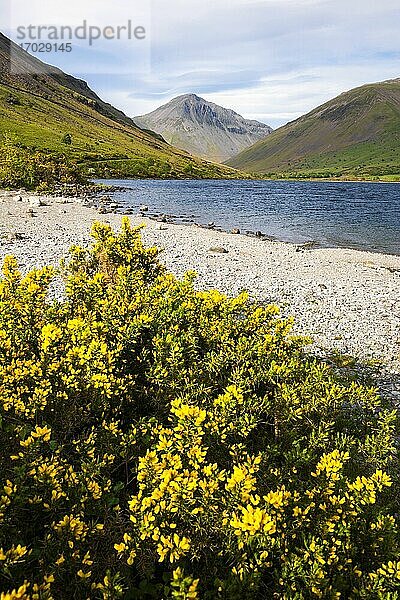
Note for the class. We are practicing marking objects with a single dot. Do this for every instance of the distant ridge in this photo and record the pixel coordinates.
(203, 128)
(356, 133)
(38, 74)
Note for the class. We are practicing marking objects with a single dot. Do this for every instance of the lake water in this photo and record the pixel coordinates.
(351, 215)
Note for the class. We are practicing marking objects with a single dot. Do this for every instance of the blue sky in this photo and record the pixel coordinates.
(271, 60)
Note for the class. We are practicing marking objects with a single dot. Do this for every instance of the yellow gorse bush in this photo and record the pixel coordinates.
(161, 442)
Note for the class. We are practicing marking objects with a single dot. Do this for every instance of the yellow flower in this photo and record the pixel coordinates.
(331, 464)
(276, 499)
(83, 575)
(382, 479)
(252, 521)
(16, 594)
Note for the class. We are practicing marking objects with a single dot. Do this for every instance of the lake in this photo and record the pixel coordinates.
(352, 215)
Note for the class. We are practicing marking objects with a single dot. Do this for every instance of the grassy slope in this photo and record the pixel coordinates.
(104, 139)
(356, 134)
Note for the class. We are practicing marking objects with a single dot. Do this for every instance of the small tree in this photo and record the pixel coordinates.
(67, 139)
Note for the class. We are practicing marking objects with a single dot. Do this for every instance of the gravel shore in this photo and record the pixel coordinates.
(344, 299)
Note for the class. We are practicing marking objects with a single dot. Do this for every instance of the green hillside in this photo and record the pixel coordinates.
(41, 108)
(356, 134)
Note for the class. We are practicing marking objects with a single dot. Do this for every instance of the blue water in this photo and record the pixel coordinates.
(350, 215)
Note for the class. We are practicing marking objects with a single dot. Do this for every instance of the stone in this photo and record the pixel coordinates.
(307, 246)
(235, 231)
(13, 236)
(219, 250)
(36, 201)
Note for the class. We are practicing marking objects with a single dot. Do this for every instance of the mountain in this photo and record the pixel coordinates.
(40, 104)
(357, 133)
(203, 128)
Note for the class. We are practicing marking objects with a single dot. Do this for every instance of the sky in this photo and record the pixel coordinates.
(270, 60)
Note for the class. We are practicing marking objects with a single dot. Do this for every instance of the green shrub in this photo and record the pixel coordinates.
(161, 442)
(13, 100)
(31, 168)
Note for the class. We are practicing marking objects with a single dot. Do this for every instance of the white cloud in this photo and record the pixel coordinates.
(268, 59)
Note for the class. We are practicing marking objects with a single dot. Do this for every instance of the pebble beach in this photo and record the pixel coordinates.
(345, 300)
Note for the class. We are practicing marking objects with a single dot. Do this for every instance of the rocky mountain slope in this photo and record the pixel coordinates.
(203, 128)
(40, 104)
(357, 133)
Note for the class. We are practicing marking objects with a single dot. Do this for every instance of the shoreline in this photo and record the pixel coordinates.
(264, 237)
(330, 180)
(251, 178)
(236, 228)
(346, 300)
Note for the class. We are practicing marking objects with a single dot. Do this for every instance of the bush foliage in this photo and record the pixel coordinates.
(162, 442)
(34, 169)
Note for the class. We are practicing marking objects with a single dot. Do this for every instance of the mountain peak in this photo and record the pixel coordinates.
(203, 128)
(191, 97)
